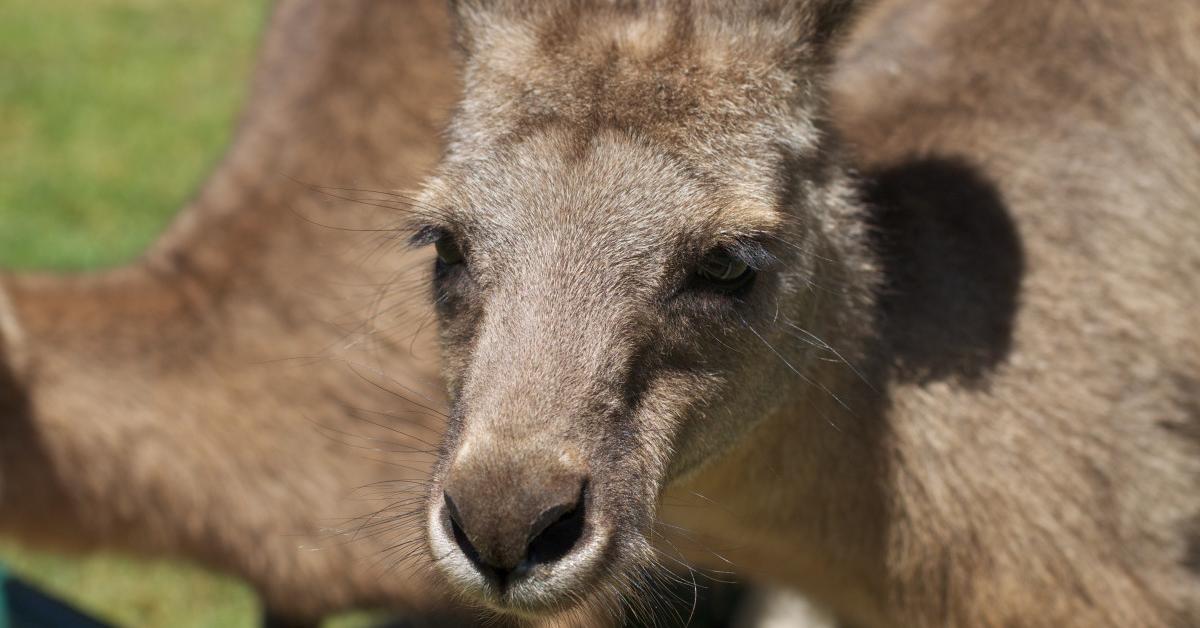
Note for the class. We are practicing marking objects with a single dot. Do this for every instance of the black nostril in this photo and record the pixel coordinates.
(556, 531)
(503, 553)
(464, 543)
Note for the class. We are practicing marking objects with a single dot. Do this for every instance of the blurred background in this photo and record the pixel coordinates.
(111, 114)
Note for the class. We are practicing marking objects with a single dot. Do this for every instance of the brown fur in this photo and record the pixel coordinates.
(259, 393)
(958, 395)
(1018, 291)
(237, 396)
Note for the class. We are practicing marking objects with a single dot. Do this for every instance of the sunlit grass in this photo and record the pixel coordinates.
(110, 112)
(137, 593)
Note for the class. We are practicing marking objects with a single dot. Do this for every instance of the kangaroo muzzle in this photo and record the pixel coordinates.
(510, 512)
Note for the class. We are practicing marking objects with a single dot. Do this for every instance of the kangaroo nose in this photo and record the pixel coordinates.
(507, 526)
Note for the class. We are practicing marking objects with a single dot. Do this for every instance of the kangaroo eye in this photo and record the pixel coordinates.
(722, 270)
(448, 250)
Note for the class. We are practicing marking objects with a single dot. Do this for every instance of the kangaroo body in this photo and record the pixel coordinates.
(236, 396)
(1030, 456)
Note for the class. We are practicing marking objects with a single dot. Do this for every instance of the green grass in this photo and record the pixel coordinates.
(137, 593)
(111, 112)
(152, 593)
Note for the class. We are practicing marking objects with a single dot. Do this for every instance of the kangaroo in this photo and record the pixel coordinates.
(237, 396)
(893, 303)
(259, 392)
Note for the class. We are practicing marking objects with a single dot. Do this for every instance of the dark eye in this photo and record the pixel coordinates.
(448, 250)
(721, 270)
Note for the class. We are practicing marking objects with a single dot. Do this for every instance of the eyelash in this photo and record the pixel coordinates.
(426, 235)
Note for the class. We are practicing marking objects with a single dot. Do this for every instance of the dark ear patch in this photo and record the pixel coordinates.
(953, 265)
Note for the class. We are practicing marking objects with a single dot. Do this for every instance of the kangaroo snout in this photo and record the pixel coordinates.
(510, 513)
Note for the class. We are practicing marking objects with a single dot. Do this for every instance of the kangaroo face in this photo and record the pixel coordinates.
(629, 237)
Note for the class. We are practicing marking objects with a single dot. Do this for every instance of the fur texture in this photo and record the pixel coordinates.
(248, 394)
(259, 392)
(960, 388)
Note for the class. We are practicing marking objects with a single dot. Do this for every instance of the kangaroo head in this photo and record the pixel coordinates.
(636, 218)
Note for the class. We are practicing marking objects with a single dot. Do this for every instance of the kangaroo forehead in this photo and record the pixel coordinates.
(604, 183)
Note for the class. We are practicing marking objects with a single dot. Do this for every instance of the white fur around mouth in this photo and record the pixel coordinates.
(547, 587)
